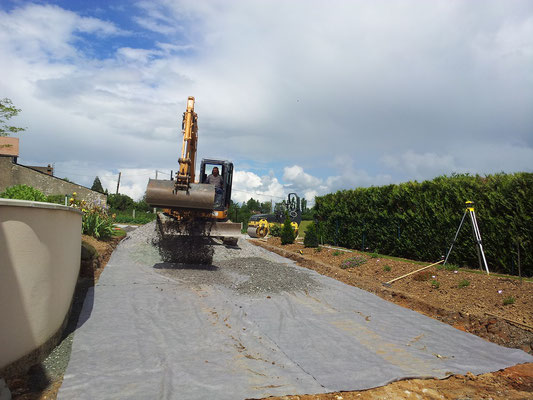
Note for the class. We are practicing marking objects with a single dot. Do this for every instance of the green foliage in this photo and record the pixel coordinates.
(97, 185)
(463, 283)
(418, 220)
(141, 218)
(8, 111)
(311, 237)
(23, 192)
(56, 198)
(275, 230)
(435, 284)
(508, 300)
(386, 268)
(318, 249)
(374, 255)
(287, 233)
(337, 253)
(449, 267)
(97, 223)
(354, 261)
(120, 202)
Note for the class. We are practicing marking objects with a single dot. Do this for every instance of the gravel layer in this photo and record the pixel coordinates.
(245, 268)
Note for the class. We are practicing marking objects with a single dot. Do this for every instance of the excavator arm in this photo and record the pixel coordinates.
(182, 193)
(187, 161)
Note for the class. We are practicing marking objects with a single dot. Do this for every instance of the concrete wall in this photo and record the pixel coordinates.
(40, 247)
(12, 174)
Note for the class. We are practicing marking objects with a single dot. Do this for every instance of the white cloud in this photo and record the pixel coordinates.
(421, 166)
(366, 92)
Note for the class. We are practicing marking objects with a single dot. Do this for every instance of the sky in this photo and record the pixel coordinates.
(303, 96)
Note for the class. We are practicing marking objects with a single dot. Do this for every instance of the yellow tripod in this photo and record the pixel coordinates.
(477, 237)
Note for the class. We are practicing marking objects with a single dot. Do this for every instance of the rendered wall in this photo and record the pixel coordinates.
(39, 265)
(12, 174)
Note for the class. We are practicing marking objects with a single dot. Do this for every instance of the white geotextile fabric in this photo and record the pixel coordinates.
(142, 335)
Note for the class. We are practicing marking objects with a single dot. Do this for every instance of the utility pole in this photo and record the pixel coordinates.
(118, 183)
(156, 174)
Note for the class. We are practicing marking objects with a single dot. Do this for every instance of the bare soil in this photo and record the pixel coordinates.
(477, 308)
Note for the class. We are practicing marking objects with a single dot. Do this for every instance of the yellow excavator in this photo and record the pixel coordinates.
(190, 207)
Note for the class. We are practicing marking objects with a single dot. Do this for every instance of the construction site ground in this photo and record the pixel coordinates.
(253, 325)
(477, 308)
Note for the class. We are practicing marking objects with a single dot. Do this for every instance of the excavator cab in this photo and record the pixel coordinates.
(222, 200)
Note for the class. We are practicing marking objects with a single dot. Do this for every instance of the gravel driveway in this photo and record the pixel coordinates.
(250, 325)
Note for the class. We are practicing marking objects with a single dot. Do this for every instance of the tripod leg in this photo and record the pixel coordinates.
(479, 244)
(455, 238)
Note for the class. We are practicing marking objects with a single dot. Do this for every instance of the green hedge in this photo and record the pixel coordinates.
(419, 220)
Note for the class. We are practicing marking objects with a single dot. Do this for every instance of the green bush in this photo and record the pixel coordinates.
(311, 236)
(96, 223)
(435, 284)
(287, 233)
(23, 192)
(386, 268)
(463, 283)
(275, 230)
(120, 202)
(374, 255)
(354, 261)
(418, 220)
(508, 300)
(141, 218)
(56, 198)
(337, 253)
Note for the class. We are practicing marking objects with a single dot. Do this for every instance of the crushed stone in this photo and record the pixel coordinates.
(245, 269)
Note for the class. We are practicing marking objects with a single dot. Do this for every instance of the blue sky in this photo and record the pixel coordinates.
(300, 96)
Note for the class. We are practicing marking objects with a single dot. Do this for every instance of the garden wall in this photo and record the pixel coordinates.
(419, 220)
(12, 174)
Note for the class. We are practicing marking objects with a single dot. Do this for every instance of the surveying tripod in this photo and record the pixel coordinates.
(477, 236)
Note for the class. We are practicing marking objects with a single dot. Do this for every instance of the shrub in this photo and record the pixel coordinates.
(508, 300)
(311, 236)
(435, 284)
(23, 192)
(386, 268)
(463, 283)
(418, 220)
(451, 267)
(56, 198)
(318, 249)
(275, 230)
(96, 223)
(120, 202)
(374, 255)
(337, 253)
(287, 233)
(355, 261)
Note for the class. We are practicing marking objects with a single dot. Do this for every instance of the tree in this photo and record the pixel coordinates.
(8, 111)
(287, 233)
(311, 236)
(97, 186)
(120, 202)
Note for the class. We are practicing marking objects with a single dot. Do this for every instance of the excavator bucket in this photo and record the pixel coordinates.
(161, 193)
(197, 227)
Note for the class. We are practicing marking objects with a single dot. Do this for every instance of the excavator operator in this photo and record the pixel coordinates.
(216, 179)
